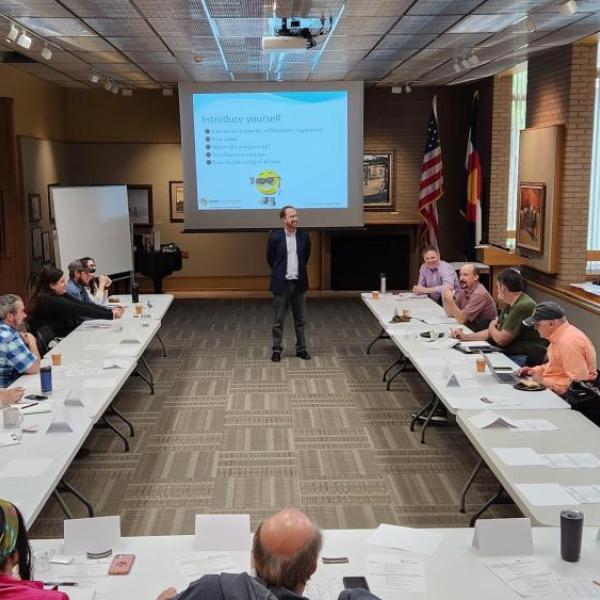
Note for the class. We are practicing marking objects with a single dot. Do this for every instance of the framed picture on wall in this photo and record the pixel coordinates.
(36, 243)
(377, 180)
(50, 205)
(139, 199)
(2, 226)
(46, 248)
(176, 201)
(35, 207)
(530, 216)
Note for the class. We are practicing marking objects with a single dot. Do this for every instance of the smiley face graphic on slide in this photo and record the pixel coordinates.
(268, 182)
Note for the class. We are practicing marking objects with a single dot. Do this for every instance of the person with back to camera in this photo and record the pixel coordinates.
(16, 576)
(285, 554)
(51, 306)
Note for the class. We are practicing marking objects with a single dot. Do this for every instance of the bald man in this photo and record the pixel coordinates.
(285, 553)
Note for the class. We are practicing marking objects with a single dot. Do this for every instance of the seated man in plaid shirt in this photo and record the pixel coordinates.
(18, 350)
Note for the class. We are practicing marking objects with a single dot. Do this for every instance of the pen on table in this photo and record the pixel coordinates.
(60, 583)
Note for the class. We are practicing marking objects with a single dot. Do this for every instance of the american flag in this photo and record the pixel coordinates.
(431, 187)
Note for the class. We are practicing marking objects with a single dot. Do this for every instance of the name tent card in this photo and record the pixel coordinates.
(503, 537)
(91, 535)
(229, 533)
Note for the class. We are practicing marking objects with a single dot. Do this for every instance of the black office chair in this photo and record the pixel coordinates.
(584, 397)
(44, 335)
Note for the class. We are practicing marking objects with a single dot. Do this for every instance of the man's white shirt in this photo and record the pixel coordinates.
(292, 255)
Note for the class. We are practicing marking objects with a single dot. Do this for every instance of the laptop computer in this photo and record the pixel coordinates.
(502, 373)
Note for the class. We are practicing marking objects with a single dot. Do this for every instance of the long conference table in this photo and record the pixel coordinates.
(477, 392)
(455, 571)
(84, 386)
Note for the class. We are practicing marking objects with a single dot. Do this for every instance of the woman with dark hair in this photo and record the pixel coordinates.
(51, 306)
(15, 559)
(97, 288)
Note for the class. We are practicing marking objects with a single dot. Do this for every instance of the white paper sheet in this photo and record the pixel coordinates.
(124, 350)
(10, 439)
(25, 467)
(96, 324)
(89, 574)
(99, 384)
(470, 345)
(114, 363)
(578, 589)
(535, 425)
(229, 533)
(546, 494)
(389, 575)
(324, 587)
(585, 494)
(196, 565)
(519, 457)
(500, 401)
(526, 576)
(573, 460)
(406, 538)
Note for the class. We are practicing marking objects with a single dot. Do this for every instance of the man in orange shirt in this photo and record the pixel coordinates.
(571, 354)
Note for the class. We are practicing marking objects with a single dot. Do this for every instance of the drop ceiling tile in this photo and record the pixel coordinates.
(364, 26)
(242, 8)
(244, 27)
(443, 7)
(411, 25)
(102, 57)
(587, 5)
(459, 40)
(32, 8)
(509, 6)
(338, 56)
(177, 27)
(152, 57)
(116, 68)
(390, 54)
(118, 27)
(51, 26)
(382, 8)
(406, 41)
(486, 23)
(570, 34)
(76, 43)
(206, 58)
(327, 76)
(241, 76)
(101, 8)
(245, 44)
(64, 58)
(352, 42)
(178, 9)
(553, 21)
(137, 44)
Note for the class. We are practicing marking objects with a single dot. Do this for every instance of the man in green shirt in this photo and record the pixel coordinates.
(521, 344)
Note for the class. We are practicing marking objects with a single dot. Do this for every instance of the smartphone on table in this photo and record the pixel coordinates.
(351, 583)
(121, 564)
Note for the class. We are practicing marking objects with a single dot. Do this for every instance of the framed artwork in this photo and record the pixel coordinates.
(36, 243)
(176, 201)
(47, 254)
(2, 226)
(530, 216)
(139, 199)
(377, 180)
(50, 205)
(35, 207)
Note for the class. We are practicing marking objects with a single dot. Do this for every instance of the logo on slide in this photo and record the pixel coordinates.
(268, 183)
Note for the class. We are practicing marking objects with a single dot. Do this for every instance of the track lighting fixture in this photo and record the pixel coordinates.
(456, 66)
(46, 52)
(12, 34)
(568, 8)
(396, 89)
(94, 78)
(24, 40)
(407, 88)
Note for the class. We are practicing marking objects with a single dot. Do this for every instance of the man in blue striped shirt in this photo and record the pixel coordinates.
(18, 350)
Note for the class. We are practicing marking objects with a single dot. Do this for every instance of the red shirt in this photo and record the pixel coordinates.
(17, 589)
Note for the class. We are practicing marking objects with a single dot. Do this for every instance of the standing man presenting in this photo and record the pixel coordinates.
(288, 251)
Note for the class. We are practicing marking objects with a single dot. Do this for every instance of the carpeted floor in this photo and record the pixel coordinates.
(228, 431)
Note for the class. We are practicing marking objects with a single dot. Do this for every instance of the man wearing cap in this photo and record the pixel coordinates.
(571, 354)
(79, 280)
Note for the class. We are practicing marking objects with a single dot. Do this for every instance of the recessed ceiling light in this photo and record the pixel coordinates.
(46, 53)
(13, 33)
(94, 78)
(25, 40)
(568, 8)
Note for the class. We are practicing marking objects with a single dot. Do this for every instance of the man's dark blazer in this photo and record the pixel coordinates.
(277, 259)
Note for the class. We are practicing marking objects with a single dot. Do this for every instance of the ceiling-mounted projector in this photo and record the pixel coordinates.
(299, 36)
(280, 43)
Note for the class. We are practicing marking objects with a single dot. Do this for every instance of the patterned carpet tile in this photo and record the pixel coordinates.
(227, 430)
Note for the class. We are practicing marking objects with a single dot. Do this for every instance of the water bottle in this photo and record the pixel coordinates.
(46, 377)
(135, 293)
(382, 283)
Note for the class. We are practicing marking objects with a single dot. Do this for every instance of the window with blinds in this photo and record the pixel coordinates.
(593, 244)
(518, 109)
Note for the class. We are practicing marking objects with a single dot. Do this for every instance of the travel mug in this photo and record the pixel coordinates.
(46, 377)
(135, 292)
(571, 532)
(382, 283)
